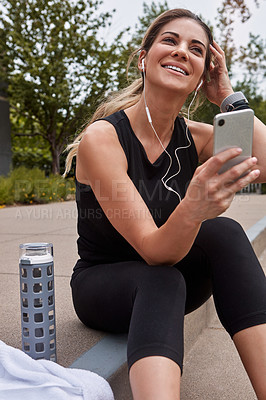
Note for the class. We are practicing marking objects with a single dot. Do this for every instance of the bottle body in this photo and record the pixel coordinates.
(36, 266)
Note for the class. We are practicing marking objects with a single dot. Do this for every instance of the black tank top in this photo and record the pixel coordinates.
(98, 241)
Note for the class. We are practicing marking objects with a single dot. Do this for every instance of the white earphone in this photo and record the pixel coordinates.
(142, 65)
(199, 86)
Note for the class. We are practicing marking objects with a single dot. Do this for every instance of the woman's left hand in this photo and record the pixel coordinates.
(219, 86)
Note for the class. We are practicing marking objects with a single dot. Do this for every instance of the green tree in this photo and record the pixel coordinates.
(55, 66)
(253, 57)
(256, 100)
(229, 11)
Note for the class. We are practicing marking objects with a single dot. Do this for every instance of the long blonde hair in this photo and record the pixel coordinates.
(131, 94)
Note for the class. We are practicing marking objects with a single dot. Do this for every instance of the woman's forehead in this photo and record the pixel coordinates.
(187, 27)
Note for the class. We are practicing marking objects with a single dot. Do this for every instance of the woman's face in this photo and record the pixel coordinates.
(176, 60)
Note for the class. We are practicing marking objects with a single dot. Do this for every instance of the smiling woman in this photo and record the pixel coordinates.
(151, 248)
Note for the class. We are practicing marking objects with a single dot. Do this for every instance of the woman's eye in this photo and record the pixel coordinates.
(169, 40)
(197, 50)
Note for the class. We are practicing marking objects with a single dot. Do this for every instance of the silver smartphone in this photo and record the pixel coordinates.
(234, 129)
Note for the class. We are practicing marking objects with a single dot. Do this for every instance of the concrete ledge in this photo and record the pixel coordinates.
(108, 357)
(257, 236)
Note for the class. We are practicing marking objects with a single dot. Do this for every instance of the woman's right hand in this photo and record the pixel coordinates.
(210, 194)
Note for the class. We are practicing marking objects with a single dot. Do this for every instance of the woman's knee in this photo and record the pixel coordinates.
(164, 282)
(226, 223)
(222, 226)
(221, 233)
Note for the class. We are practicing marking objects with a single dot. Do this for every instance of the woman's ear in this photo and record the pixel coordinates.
(141, 61)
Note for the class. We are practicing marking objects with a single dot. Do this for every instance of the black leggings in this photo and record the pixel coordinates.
(149, 302)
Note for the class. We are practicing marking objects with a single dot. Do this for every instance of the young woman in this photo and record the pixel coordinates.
(151, 248)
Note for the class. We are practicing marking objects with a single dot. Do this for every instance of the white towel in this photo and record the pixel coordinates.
(21, 378)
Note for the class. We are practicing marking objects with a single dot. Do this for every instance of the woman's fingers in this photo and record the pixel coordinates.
(239, 170)
(219, 86)
(245, 180)
(230, 181)
(215, 163)
(217, 52)
(238, 176)
(211, 193)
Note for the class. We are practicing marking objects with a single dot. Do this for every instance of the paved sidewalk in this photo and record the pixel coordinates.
(247, 209)
(56, 223)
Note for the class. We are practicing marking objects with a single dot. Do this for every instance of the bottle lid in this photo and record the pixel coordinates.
(36, 253)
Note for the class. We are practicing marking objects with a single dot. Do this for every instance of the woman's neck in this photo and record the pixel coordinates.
(163, 111)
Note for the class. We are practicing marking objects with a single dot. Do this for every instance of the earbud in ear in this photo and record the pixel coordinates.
(199, 86)
(142, 65)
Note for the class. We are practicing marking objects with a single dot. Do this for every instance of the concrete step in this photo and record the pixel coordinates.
(213, 369)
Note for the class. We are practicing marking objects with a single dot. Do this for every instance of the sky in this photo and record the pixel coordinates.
(128, 11)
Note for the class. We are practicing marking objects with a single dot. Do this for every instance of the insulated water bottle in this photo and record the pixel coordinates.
(36, 267)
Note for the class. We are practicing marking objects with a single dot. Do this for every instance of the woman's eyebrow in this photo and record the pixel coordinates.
(177, 36)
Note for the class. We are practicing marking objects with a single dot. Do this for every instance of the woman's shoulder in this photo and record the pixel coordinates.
(98, 147)
(106, 125)
(99, 134)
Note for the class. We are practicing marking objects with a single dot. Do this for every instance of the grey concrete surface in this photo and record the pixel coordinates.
(56, 223)
(247, 209)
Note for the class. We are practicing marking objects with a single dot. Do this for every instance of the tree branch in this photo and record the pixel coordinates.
(29, 134)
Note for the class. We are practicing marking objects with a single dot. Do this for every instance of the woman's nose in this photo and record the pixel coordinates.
(180, 51)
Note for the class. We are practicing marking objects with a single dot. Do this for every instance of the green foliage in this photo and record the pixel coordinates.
(227, 14)
(253, 56)
(256, 101)
(28, 186)
(250, 58)
(206, 112)
(54, 65)
(6, 190)
(150, 12)
(31, 153)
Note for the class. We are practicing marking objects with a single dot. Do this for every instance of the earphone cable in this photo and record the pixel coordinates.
(176, 150)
